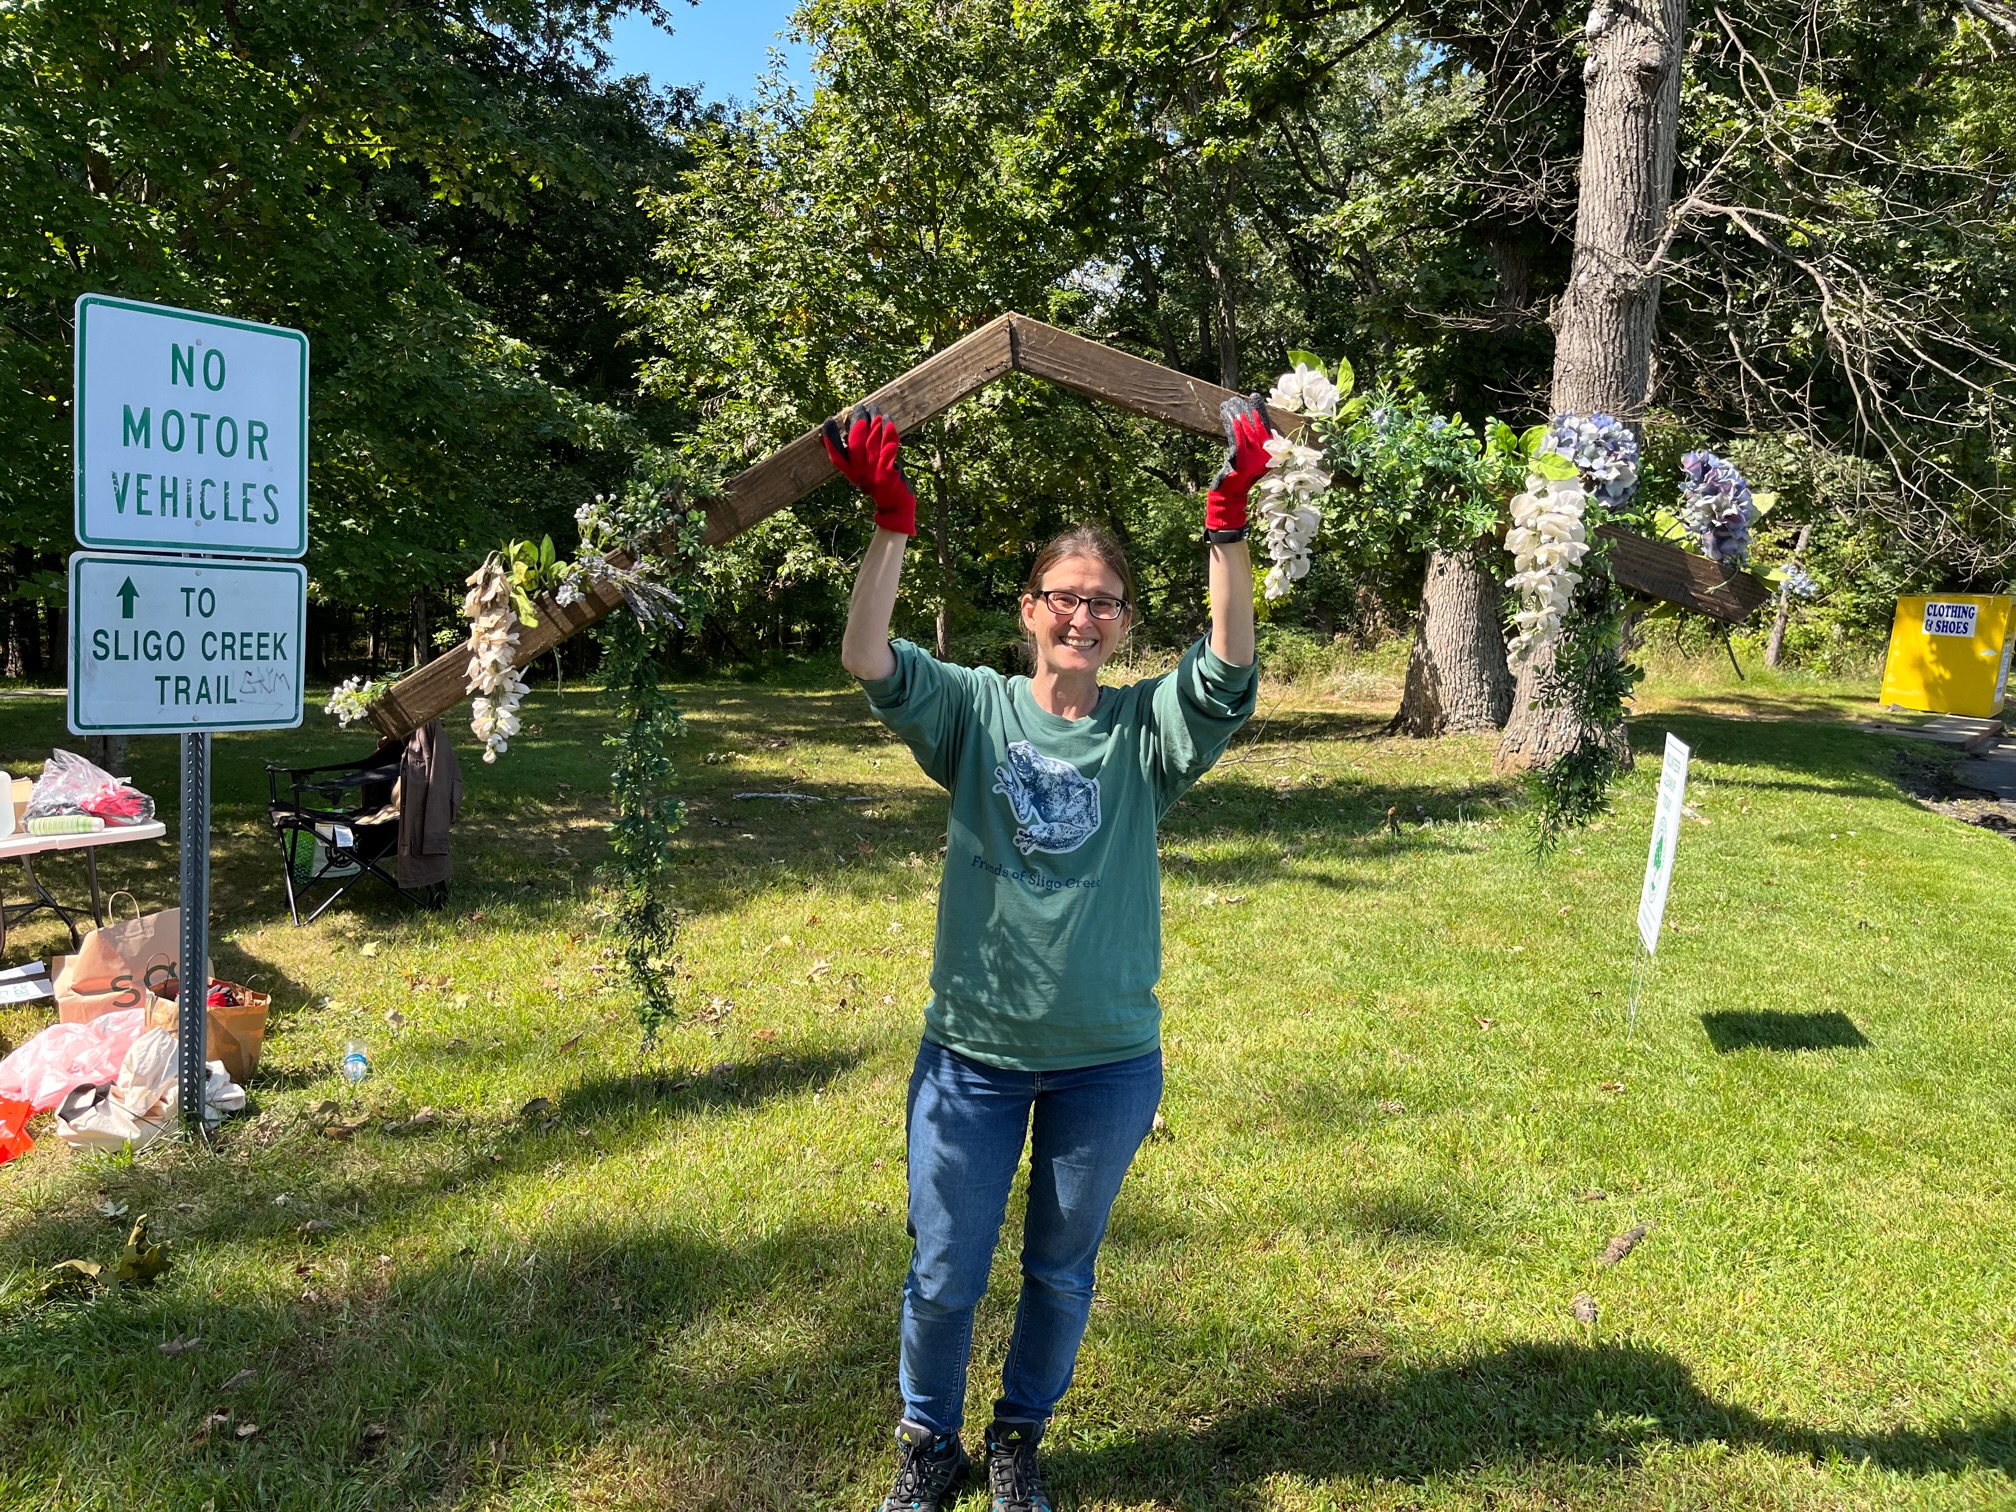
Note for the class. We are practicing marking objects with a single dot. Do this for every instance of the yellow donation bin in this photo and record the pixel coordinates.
(1949, 654)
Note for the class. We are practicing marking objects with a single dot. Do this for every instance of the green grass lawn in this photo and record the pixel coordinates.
(1403, 1120)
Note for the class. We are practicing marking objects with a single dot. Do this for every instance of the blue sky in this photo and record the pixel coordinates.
(719, 44)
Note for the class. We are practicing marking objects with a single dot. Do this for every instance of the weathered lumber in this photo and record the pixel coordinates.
(1119, 378)
(1011, 343)
(1663, 571)
(926, 391)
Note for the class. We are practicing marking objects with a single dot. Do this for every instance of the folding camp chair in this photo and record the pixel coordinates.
(338, 825)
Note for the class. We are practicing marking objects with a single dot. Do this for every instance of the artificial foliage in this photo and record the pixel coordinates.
(662, 530)
(1591, 681)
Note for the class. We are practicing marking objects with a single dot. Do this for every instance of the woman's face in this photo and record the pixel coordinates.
(1075, 644)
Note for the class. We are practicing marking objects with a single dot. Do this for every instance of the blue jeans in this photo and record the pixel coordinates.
(967, 1124)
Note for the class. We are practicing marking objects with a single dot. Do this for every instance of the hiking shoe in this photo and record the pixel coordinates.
(1012, 1472)
(931, 1469)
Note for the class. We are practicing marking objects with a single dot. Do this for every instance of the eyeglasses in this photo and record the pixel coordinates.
(1064, 604)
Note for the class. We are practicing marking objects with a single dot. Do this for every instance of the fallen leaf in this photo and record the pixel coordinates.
(243, 1378)
(539, 1107)
(551, 984)
(1392, 1105)
(458, 1043)
(209, 1424)
(396, 1019)
(373, 1432)
(315, 1226)
(426, 1118)
(342, 1130)
(179, 1346)
(72, 1277)
(1595, 1194)
(569, 1044)
(819, 969)
(246, 1430)
(140, 1262)
(1612, 1087)
(1584, 1308)
(327, 1108)
(110, 1209)
(1365, 1353)
(1484, 1023)
(765, 1035)
(370, 949)
(1623, 1244)
(282, 1200)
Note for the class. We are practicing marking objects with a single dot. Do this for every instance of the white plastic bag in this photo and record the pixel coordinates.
(71, 785)
(93, 1118)
(140, 1105)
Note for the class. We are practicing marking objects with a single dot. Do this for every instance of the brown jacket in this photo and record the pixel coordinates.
(430, 793)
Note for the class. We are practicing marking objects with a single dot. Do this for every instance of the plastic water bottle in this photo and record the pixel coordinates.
(356, 1064)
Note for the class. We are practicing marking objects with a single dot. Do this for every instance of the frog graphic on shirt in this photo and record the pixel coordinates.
(1056, 804)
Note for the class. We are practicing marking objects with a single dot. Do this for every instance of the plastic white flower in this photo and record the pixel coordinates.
(1285, 497)
(350, 701)
(493, 659)
(1306, 391)
(1548, 540)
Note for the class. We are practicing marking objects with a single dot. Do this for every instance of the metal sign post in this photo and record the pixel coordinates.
(192, 1025)
(191, 446)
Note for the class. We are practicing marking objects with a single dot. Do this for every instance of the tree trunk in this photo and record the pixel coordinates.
(420, 634)
(1606, 319)
(107, 752)
(1776, 648)
(1458, 681)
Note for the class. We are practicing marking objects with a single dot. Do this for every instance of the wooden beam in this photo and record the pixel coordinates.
(1015, 343)
(777, 482)
(436, 688)
(1120, 378)
(925, 392)
(1663, 571)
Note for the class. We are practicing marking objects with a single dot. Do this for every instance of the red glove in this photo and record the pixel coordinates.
(866, 457)
(1246, 433)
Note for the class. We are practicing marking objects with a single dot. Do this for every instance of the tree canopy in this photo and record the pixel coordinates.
(523, 275)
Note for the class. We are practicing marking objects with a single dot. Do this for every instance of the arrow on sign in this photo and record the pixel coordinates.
(127, 594)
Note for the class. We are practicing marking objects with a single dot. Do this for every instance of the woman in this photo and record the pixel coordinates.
(1042, 1023)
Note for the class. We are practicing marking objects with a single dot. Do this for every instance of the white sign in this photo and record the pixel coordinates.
(1950, 619)
(1665, 837)
(165, 644)
(191, 431)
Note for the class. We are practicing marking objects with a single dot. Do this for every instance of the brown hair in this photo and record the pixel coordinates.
(1083, 541)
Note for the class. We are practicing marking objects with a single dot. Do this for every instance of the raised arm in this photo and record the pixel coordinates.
(1225, 526)
(1232, 603)
(866, 454)
(864, 647)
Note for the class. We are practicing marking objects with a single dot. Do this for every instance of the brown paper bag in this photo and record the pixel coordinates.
(123, 965)
(233, 1034)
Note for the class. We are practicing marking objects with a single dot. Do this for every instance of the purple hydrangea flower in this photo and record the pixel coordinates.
(1604, 450)
(1798, 582)
(1715, 505)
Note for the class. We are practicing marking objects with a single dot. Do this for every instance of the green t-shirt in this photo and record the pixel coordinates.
(1050, 916)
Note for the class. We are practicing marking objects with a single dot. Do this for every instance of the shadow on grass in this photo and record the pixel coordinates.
(1730, 1030)
(320, 1180)
(399, 1381)
(1606, 1405)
